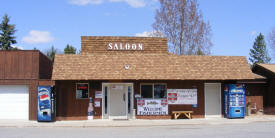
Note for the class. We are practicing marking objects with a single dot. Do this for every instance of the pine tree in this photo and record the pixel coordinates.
(50, 53)
(259, 54)
(69, 49)
(7, 34)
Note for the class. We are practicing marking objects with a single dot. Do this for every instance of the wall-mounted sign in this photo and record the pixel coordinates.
(182, 96)
(125, 46)
(152, 107)
(117, 87)
(97, 102)
(98, 94)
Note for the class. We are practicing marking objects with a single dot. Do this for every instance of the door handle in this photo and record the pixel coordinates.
(124, 97)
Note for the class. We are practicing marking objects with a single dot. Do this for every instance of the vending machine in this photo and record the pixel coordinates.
(234, 100)
(46, 104)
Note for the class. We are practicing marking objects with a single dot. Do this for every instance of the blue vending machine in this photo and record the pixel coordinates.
(46, 104)
(234, 100)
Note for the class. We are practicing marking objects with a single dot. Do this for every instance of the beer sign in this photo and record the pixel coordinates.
(152, 107)
(182, 96)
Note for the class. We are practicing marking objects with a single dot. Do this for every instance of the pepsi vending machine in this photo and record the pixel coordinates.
(46, 104)
(234, 100)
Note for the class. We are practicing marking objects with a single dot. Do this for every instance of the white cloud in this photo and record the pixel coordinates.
(18, 47)
(35, 37)
(252, 33)
(150, 34)
(86, 2)
(132, 3)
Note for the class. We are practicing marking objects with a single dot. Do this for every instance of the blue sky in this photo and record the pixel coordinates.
(42, 23)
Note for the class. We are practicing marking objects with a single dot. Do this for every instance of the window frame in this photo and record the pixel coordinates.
(153, 89)
(76, 91)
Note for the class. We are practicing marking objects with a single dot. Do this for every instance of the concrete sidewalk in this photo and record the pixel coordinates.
(135, 123)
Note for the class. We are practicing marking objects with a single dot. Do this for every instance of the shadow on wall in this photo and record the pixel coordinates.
(269, 110)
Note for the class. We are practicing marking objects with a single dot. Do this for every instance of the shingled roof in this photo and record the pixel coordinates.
(270, 67)
(150, 67)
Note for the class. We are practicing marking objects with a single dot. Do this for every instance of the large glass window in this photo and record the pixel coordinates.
(153, 91)
(159, 91)
(147, 91)
(82, 90)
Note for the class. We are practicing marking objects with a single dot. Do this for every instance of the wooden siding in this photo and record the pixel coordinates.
(19, 64)
(24, 64)
(255, 96)
(45, 67)
(70, 108)
(23, 67)
(269, 96)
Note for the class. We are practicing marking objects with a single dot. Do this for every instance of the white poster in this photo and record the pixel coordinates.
(182, 96)
(97, 102)
(98, 94)
(152, 107)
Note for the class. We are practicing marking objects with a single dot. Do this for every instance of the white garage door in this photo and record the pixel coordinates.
(14, 102)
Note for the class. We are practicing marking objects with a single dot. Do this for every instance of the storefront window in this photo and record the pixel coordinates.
(153, 91)
(159, 91)
(82, 90)
(147, 91)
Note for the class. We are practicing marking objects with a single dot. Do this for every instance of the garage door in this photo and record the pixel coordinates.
(14, 102)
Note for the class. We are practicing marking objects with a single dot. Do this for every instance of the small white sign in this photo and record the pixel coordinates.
(98, 94)
(97, 103)
(137, 96)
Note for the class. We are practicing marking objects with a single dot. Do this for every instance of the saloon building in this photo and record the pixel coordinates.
(136, 77)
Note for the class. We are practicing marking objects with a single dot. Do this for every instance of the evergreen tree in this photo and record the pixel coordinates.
(259, 54)
(7, 34)
(51, 53)
(69, 49)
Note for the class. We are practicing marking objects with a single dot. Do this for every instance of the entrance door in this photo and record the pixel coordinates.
(118, 101)
(212, 99)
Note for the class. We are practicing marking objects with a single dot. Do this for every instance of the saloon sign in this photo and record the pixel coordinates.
(125, 46)
(152, 107)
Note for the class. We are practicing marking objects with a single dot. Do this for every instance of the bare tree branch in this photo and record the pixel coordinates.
(271, 38)
(182, 23)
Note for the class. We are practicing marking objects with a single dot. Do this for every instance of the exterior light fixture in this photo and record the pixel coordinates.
(127, 66)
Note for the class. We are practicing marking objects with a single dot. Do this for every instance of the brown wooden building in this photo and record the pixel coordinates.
(268, 71)
(131, 77)
(21, 71)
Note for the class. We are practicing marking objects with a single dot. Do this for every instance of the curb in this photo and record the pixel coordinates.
(136, 123)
